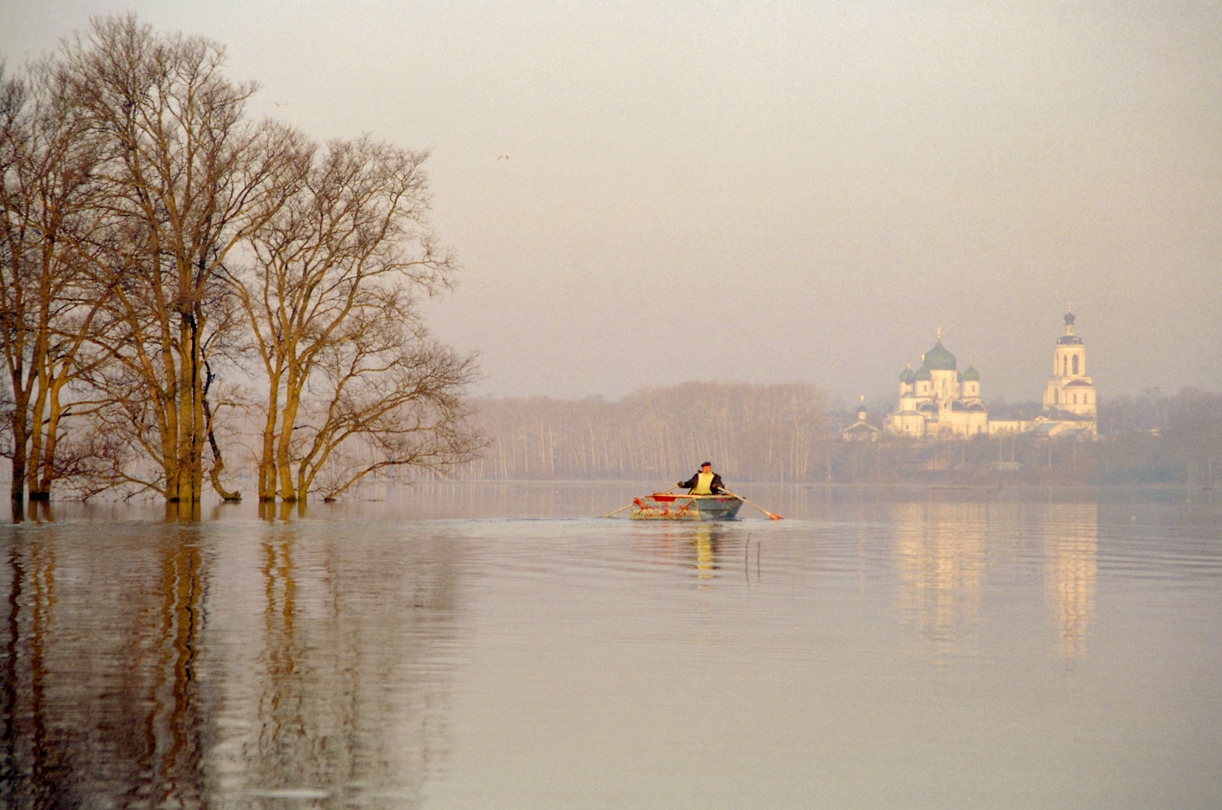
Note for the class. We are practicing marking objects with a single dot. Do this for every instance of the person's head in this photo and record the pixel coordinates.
(706, 466)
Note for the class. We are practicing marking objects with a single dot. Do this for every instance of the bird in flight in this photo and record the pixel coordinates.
(503, 157)
(278, 104)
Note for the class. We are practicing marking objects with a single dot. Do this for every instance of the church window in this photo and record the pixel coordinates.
(1064, 366)
(1075, 364)
(1075, 399)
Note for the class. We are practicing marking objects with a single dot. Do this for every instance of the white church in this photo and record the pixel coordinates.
(939, 401)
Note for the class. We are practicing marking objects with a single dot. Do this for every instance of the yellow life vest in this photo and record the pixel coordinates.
(704, 483)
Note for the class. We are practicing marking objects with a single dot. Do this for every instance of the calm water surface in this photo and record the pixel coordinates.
(480, 646)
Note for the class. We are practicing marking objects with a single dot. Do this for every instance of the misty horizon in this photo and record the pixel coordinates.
(646, 194)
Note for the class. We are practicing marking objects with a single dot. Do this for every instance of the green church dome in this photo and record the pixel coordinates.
(938, 359)
(906, 376)
(970, 374)
(922, 374)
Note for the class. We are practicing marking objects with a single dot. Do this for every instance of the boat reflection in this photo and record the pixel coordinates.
(700, 547)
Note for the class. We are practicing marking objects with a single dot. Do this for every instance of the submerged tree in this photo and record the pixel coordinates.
(354, 382)
(49, 308)
(185, 179)
(150, 234)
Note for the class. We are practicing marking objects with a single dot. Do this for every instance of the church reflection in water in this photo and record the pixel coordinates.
(1071, 551)
(939, 551)
(942, 553)
(180, 665)
(246, 662)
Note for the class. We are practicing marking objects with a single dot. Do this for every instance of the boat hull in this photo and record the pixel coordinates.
(701, 508)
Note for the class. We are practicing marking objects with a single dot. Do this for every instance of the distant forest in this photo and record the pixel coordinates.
(786, 433)
(749, 432)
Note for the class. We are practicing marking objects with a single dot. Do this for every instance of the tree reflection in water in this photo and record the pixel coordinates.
(100, 694)
(133, 674)
(34, 765)
(345, 655)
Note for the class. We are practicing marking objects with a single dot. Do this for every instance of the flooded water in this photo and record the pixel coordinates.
(495, 646)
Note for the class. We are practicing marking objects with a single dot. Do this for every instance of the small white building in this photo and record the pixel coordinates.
(861, 430)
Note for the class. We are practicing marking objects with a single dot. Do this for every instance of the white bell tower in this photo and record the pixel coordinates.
(1069, 388)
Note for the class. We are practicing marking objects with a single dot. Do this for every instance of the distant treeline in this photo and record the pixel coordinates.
(749, 432)
(786, 433)
(1157, 438)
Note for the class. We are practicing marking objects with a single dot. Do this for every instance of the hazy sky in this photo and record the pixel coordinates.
(775, 192)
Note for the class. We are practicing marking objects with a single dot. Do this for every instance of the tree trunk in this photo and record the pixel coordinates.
(170, 430)
(267, 462)
(218, 462)
(34, 437)
(189, 451)
(47, 464)
(292, 400)
(20, 421)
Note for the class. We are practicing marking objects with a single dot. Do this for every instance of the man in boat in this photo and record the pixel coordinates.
(705, 482)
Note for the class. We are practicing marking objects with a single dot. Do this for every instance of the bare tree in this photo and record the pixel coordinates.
(185, 179)
(48, 307)
(354, 382)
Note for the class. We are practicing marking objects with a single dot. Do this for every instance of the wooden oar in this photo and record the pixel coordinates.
(617, 511)
(771, 516)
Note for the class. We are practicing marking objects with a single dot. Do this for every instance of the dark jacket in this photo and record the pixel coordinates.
(716, 487)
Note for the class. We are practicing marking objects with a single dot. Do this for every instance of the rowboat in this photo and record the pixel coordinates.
(665, 506)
